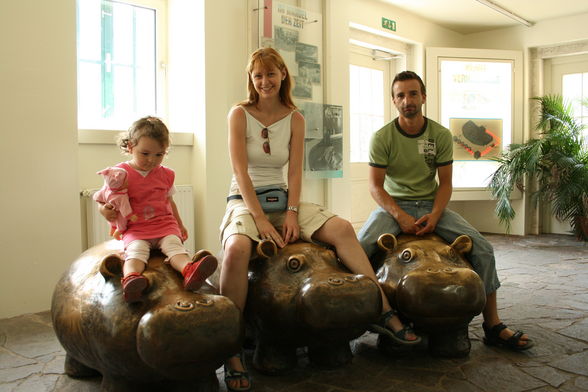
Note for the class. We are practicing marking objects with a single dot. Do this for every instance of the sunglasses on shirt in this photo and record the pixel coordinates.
(266, 145)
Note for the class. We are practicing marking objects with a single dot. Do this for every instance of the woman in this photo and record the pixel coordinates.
(265, 133)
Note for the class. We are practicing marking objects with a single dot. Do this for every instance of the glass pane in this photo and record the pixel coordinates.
(89, 30)
(118, 38)
(571, 87)
(123, 37)
(476, 105)
(575, 90)
(366, 109)
(89, 83)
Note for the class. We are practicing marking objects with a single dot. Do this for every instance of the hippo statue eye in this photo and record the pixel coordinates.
(295, 263)
(405, 256)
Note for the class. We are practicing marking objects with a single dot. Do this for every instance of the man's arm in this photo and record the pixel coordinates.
(445, 174)
(376, 178)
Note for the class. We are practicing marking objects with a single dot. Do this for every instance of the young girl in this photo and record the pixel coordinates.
(265, 133)
(157, 223)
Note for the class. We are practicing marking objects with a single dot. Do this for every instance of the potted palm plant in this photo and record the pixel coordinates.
(555, 165)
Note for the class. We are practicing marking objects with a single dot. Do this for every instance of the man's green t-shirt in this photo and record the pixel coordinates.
(411, 161)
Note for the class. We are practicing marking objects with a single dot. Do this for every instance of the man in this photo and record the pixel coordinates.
(405, 156)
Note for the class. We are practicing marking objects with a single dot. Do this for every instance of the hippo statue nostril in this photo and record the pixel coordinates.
(449, 270)
(432, 270)
(205, 302)
(184, 306)
(351, 278)
(335, 281)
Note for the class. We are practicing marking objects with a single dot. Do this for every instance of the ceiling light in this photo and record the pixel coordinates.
(505, 12)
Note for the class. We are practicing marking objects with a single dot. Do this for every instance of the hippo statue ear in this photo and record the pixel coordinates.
(267, 248)
(387, 242)
(111, 266)
(462, 244)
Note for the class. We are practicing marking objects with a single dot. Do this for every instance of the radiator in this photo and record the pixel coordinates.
(97, 228)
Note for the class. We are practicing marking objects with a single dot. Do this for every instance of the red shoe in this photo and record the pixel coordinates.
(196, 272)
(133, 286)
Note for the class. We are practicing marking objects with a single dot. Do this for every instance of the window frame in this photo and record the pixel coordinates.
(99, 135)
(433, 106)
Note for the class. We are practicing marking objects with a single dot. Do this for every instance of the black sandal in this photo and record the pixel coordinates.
(231, 374)
(492, 338)
(381, 327)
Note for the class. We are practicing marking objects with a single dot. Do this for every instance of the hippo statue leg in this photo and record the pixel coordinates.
(450, 343)
(274, 359)
(76, 369)
(302, 296)
(331, 355)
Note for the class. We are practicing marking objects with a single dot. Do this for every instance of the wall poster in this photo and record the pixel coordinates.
(297, 34)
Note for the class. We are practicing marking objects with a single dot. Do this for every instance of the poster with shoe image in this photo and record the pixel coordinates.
(476, 138)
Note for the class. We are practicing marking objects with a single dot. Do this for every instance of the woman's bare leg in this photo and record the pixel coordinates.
(339, 233)
(234, 284)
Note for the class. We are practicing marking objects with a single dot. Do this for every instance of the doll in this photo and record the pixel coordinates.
(114, 192)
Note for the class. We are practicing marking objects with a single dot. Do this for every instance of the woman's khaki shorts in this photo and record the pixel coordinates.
(238, 220)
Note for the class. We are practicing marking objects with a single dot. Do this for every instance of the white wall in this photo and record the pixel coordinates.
(546, 33)
(39, 206)
(226, 55)
(368, 13)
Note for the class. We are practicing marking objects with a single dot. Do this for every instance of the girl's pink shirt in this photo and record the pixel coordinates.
(149, 197)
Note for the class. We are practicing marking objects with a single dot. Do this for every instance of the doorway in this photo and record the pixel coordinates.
(369, 109)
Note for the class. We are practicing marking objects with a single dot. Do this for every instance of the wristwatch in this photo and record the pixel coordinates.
(293, 209)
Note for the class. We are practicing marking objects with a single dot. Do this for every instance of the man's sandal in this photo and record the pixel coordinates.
(492, 338)
(232, 375)
(399, 336)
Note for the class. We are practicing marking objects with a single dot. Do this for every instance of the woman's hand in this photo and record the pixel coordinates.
(290, 227)
(268, 231)
(108, 212)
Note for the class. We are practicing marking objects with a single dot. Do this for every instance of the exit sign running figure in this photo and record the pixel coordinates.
(388, 24)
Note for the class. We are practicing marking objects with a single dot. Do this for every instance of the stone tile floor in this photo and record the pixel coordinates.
(544, 291)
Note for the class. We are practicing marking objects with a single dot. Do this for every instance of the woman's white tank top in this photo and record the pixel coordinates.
(266, 169)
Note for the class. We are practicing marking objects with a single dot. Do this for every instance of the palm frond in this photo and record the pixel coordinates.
(554, 164)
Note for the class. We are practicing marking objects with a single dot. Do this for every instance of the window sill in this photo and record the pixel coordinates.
(471, 194)
(97, 136)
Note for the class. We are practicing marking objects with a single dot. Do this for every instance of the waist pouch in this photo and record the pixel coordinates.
(270, 198)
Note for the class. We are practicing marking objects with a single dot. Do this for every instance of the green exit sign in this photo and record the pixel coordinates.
(388, 24)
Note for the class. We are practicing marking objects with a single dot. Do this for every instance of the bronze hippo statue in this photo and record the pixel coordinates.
(173, 340)
(302, 296)
(431, 284)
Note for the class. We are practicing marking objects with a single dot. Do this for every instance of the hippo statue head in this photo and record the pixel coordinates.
(429, 281)
(301, 295)
(173, 334)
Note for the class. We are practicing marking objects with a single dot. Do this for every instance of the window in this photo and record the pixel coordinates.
(118, 77)
(476, 105)
(575, 91)
(366, 111)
